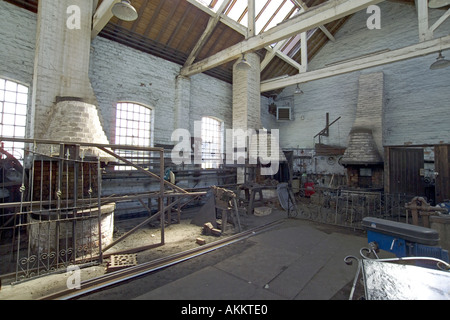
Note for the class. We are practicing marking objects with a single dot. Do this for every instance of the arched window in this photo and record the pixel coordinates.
(212, 143)
(13, 115)
(134, 128)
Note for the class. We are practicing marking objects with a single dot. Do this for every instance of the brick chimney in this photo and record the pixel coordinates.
(64, 104)
(364, 155)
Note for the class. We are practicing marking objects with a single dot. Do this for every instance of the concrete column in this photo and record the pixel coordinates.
(247, 98)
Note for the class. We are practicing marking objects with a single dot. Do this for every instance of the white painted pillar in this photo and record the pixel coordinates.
(63, 44)
(182, 103)
(247, 98)
(64, 107)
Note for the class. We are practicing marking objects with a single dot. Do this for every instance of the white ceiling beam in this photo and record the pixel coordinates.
(276, 51)
(102, 16)
(327, 33)
(317, 16)
(271, 53)
(212, 23)
(422, 13)
(440, 21)
(304, 52)
(417, 50)
(303, 5)
(251, 19)
(201, 7)
(236, 26)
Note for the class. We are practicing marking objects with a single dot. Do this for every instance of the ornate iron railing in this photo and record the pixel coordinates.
(52, 210)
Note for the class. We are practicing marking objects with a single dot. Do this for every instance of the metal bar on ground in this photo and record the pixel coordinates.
(119, 276)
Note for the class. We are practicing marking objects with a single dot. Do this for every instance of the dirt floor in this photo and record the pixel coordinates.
(179, 237)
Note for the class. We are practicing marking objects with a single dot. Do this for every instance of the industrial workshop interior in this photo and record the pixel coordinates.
(225, 150)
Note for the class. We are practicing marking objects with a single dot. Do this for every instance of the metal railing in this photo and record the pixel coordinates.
(348, 208)
(53, 213)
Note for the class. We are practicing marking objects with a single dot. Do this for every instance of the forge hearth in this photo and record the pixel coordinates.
(365, 176)
(363, 157)
(364, 164)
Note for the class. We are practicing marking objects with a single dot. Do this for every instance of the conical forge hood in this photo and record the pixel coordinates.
(362, 149)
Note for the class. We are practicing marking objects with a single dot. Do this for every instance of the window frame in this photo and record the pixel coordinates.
(20, 112)
(128, 122)
(209, 161)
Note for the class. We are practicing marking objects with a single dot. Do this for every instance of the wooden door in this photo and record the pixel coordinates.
(442, 167)
(405, 165)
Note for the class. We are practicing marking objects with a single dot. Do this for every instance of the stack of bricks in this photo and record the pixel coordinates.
(208, 229)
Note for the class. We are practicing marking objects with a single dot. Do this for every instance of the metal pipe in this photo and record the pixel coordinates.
(99, 188)
(82, 144)
(161, 199)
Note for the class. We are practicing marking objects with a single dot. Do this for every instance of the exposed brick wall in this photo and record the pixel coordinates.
(372, 181)
(47, 173)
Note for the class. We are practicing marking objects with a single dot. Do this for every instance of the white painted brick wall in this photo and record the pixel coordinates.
(415, 96)
(417, 99)
(210, 97)
(17, 45)
(369, 112)
(119, 73)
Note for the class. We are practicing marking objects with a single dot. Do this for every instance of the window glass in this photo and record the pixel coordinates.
(133, 128)
(13, 115)
(212, 143)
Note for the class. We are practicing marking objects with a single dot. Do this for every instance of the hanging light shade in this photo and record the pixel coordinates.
(438, 3)
(298, 90)
(125, 11)
(243, 64)
(440, 62)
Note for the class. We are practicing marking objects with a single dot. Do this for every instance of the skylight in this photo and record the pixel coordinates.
(269, 13)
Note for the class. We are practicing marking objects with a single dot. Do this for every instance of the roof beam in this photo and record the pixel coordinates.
(275, 52)
(102, 16)
(303, 5)
(212, 23)
(304, 51)
(271, 54)
(236, 26)
(417, 50)
(251, 30)
(422, 12)
(440, 21)
(315, 17)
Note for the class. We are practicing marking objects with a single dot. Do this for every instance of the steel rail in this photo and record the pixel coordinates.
(116, 277)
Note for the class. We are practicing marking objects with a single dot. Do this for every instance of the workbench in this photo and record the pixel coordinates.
(250, 192)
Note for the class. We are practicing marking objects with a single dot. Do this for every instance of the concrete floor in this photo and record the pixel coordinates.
(297, 260)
